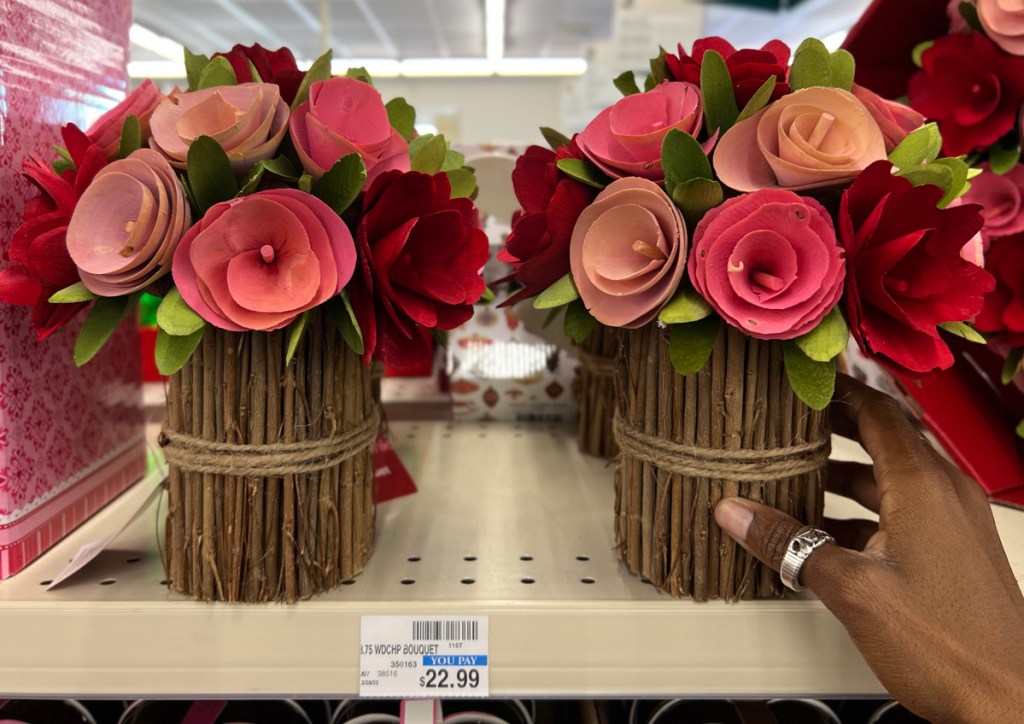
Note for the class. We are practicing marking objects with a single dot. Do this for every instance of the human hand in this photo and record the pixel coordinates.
(926, 594)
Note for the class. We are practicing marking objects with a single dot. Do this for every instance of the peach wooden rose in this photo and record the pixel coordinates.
(811, 138)
(625, 140)
(344, 116)
(769, 263)
(1003, 21)
(141, 102)
(895, 120)
(248, 121)
(628, 253)
(257, 262)
(126, 226)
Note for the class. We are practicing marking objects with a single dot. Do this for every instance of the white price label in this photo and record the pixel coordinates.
(424, 657)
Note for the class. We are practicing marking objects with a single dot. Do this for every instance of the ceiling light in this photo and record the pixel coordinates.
(541, 66)
(494, 24)
(158, 44)
(156, 69)
(447, 67)
(376, 67)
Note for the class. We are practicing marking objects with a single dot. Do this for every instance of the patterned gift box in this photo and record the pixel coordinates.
(70, 439)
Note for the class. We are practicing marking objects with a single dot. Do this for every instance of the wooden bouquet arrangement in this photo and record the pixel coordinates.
(297, 228)
(738, 220)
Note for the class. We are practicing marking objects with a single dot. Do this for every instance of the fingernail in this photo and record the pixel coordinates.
(735, 518)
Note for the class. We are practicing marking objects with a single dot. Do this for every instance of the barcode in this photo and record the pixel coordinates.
(445, 630)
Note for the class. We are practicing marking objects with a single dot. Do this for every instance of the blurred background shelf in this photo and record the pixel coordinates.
(510, 522)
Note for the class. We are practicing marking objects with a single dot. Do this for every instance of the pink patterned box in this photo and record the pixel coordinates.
(70, 439)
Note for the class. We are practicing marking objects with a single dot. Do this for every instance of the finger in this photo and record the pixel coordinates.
(854, 533)
(855, 481)
(899, 452)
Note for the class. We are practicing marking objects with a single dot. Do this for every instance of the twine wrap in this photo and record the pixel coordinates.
(743, 466)
(194, 454)
(596, 364)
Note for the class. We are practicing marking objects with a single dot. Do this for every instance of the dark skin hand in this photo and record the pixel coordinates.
(926, 594)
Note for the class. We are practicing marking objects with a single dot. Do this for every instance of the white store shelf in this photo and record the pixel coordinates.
(496, 493)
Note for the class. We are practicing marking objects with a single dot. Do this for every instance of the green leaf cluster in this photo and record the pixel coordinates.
(689, 180)
(202, 72)
(813, 65)
(179, 331)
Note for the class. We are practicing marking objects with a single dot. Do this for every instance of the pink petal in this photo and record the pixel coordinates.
(287, 284)
(353, 110)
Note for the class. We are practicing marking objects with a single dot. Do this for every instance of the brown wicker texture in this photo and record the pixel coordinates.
(596, 375)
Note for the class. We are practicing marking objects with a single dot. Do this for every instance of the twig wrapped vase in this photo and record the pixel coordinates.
(597, 355)
(271, 477)
(736, 428)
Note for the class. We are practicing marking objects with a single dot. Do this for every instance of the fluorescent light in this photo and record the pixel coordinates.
(156, 69)
(158, 44)
(447, 67)
(835, 40)
(541, 66)
(426, 128)
(376, 67)
(494, 24)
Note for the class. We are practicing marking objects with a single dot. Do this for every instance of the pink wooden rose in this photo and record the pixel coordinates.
(895, 120)
(625, 140)
(1003, 21)
(257, 262)
(769, 263)
(345, 116)
(127, 224)
(248, 121)
(1001, 198)
(628, 253)
(811, 138)
(141, 102)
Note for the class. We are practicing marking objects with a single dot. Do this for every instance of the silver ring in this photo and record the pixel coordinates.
(800, 547)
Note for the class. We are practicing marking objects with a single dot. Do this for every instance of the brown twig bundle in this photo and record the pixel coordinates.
(596, 372)
(737, 419)
(278, 536)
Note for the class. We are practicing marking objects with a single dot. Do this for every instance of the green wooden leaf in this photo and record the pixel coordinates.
(194, 65)
(935, 174)
(430, 158)
(175, 317)
(217, 72)
(812, 66)
(690, 345)
(280, 167)
(584, 171)
(686, 306)
(416, 145)
(813, 382)
(1020, 429)
(131, 137)
(659, 67)
(463, 183)
(63, 153)
(696, 197)
(74, 294)
(320, 70)
(843, 69)
(104, 317)
(650, 83)
(340, 186)
(578, 323)
(919, 50)
(61, 165)
(626, 83)
(306, 183)
(487, 297)
(964, 331)
(340, 309)
(402, 117)
(253, 73)
(558, 294)
(969, 12)
(453, 160)
(1004, 155)
(555, 139)
(172, 352)
(759, 100)
(826, 341)
(296, 330)
(360, 73)
(210, 173)
(1012, 364)
(959, 184)
(683, 159)
(719, 97)
(921, 146)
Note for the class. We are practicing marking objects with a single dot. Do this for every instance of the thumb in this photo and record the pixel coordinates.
(766, 533)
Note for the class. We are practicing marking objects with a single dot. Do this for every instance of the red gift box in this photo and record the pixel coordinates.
(70, 439)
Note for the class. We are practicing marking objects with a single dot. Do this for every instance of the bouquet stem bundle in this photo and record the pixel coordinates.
(271, 478)
(597, 353)
(736, 428)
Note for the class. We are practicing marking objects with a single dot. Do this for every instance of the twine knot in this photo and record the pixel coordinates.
(763, 466)
(271, 460)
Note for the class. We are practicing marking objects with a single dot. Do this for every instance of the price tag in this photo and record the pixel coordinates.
(421, 657)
